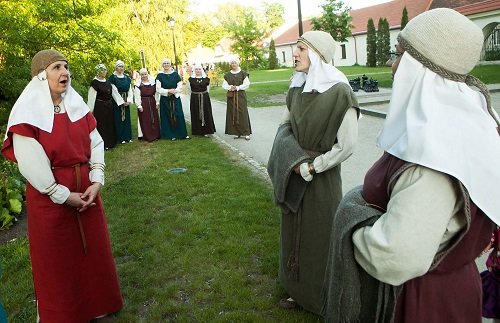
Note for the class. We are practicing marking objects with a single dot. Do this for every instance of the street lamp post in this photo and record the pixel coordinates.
(171, 21)
(301, 30)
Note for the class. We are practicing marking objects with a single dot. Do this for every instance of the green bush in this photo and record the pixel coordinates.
(12, 193)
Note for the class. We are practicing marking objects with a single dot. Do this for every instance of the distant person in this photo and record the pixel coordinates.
(123, 83)
(147, 100)
(319, 131)
(169, 86)
(52, 136)
(407, 240)
(236, 82)
(102, 94)
(197, 88)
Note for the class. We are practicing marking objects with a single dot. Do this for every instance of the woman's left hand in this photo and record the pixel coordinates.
(89, 196)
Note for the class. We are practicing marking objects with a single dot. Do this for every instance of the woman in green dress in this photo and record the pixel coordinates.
(169, 86)
(318, 132)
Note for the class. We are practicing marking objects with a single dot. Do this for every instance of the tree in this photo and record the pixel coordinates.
(273, 60)
(334, 20)
(383, 42)
(371, 44)
(274, 14)
(404, 18)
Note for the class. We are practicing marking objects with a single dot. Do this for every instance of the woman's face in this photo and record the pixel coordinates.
(166, 66)
(102, 73)
(58, 78)
(144, 77)
(120, 69)
(301, 58)
(234, 66)
(395, 64)
(197, 71)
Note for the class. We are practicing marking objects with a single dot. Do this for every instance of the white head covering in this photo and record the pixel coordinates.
(234, 59)
(151, 79)
(321, 75)
(444, 124)
(119, 63)
(168, 61)
(35, 107)
(193, 73)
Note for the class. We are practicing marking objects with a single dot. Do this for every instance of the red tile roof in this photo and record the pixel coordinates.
(392, 10)
(479, 7)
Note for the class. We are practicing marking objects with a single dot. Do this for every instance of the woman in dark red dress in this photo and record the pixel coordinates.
(147, 100)
(52, 135)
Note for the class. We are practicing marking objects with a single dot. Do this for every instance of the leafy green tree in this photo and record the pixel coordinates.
(404, 18)
(371, 44)
(335, 20)
(273, 59)
(71, 27)
(383, 42)
(274, 14)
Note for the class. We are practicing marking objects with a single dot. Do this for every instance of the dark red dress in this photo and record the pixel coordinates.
(149, 118)
(71, 286)
(451, 290)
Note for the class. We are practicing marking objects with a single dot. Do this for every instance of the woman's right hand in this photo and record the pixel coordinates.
(75, 200)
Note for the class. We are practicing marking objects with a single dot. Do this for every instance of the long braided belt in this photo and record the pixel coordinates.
(201, 111)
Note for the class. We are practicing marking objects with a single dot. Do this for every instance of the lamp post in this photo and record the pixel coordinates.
(171, 22)
(301, 30)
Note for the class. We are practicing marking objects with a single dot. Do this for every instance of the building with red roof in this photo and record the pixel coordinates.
(485, 13)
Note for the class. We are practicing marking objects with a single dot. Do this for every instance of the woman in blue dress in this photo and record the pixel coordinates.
(169, 86)
(122, 81)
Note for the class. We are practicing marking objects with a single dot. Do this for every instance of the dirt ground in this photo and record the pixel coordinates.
(17, 230)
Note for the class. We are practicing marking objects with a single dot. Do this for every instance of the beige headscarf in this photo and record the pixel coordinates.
(322, 75)
(438, 122)
(35, 107)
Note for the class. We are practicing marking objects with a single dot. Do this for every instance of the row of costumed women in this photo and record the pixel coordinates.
(158, 102)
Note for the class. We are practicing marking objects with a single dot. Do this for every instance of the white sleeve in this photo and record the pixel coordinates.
(161, 90)
(137, 97)
(116, 95)
(91, 98)
(226, 85)
(96, 162)
(244, 86)
(35, 166)
(188, 88)
(178, 89)
(347, 136)
(422, 215)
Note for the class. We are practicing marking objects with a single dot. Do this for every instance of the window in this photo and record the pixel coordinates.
(342, 47)
(283, 54)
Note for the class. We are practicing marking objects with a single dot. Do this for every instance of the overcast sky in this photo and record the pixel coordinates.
(308, 7)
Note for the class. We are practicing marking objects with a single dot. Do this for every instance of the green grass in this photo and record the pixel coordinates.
(269, 87)
(199, 246)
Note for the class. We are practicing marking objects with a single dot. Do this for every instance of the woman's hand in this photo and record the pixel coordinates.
(83, 201)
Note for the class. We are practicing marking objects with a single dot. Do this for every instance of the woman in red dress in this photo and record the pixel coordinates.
(52, 135)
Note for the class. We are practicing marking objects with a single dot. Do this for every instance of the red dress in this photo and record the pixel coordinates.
(71, 285)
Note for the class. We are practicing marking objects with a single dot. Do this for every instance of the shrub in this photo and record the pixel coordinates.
(12, 193)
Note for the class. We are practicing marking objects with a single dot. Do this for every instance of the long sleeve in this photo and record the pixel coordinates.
(130, 95)
(91, 98)
(244, 86)
(188, 88)
(423, 214)
(116, 95)
(137, 97)
(160, 89)
(96, 162)
(178, 89)
(347, 136)
(226, 85)
(35, 166)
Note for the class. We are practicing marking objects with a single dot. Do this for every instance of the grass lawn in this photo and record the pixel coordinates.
(198, 246)
(269, 87)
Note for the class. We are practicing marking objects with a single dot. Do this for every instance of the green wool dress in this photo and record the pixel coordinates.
(305, 236)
